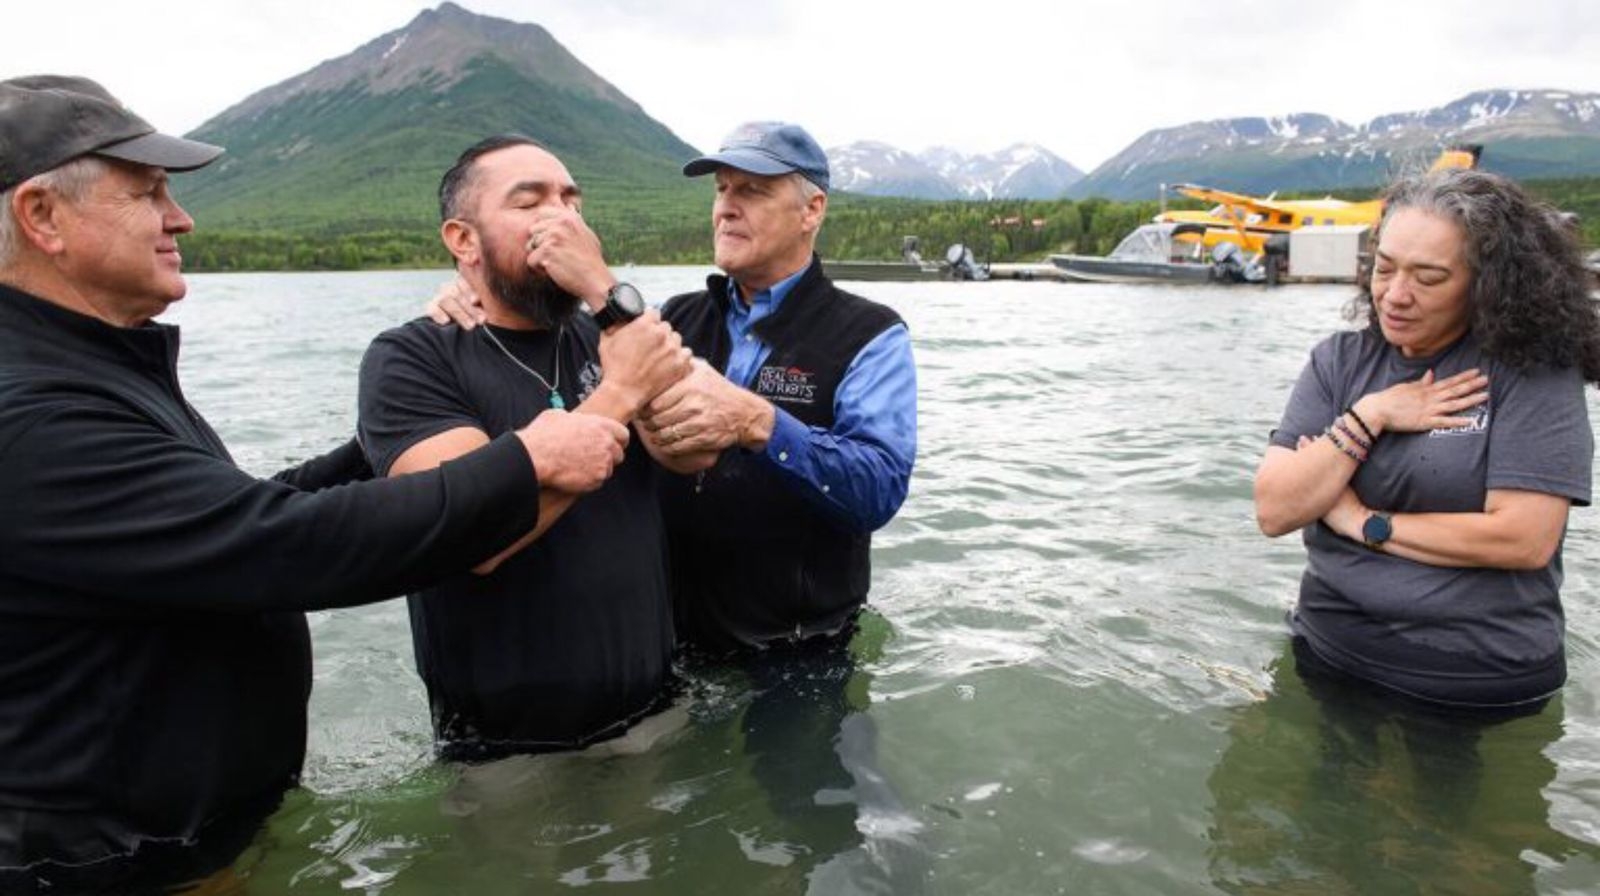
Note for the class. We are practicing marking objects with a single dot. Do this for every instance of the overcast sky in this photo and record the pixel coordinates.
(1083, 79)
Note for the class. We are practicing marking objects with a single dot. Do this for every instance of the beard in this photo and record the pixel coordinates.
(531, 295)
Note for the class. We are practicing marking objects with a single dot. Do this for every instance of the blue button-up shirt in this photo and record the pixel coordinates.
(860, 469)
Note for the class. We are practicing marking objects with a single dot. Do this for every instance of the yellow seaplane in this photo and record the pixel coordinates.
(1249, 221)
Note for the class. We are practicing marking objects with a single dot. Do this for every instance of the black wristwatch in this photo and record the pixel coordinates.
(623, 304)
(1376, 530)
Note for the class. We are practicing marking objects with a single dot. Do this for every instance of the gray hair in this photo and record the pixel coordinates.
(1528, 298)
(808, 191)
(71, 180)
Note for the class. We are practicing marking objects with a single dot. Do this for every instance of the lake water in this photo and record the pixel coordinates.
(1076, 681)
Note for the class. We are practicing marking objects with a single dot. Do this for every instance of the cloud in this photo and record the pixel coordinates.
(1084, 79)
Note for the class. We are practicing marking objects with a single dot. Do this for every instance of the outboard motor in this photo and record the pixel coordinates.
(1225, 264)
(962, 265)
(1229, 265)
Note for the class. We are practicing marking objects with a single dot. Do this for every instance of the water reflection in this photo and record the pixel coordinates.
(763, 778)
(1075, 586)
(812, 749)
(1329, 788)
(562, 816)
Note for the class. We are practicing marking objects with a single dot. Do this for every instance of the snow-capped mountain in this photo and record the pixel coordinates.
(878, 169)
(1023, 171)
(1526, 133)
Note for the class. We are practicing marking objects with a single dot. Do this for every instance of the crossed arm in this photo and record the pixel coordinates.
(1515, 530)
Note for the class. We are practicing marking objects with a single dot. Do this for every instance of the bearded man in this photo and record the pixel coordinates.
(565, 638)
(153, 642)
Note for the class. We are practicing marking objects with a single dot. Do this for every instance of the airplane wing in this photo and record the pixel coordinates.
(1251, 204)
(1283, 211)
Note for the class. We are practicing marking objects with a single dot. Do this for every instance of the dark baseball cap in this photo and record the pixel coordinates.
(767, 148)
(49, 120)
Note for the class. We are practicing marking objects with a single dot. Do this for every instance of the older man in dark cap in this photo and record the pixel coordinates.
(154, 656)
(816, 388)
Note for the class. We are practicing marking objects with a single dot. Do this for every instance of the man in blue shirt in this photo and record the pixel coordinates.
(808, 393)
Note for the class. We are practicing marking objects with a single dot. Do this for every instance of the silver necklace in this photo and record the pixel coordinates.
(552, 387)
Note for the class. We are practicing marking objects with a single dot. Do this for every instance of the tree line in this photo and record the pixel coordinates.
(857, 228)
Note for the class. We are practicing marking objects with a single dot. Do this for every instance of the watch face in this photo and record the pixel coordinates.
(1376, 529)
(628, 299)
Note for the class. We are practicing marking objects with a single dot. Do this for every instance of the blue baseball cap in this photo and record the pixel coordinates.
(768, 148)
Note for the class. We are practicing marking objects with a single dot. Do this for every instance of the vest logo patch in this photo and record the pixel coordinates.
(787, 384)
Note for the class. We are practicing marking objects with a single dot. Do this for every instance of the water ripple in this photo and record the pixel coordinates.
(1079, 683)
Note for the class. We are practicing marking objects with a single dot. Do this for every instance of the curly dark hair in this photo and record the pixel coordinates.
(1529, 296)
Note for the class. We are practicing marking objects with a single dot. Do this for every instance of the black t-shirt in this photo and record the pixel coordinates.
(571, 638)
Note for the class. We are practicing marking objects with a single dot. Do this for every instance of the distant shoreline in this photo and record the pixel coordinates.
(858, 228)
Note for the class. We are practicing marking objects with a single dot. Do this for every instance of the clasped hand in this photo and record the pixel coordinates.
(574, 452)
(643, 358)
(702, 412)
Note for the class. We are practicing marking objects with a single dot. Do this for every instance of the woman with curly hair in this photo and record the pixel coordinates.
(1431, 457)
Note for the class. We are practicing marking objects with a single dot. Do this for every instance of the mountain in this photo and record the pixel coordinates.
(1020, 171)
(1526, 134)
(878, 169)
(1023, 171)
(358, 143)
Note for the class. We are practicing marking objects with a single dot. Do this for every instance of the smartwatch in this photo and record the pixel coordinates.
(1376, 530)
(623, 304)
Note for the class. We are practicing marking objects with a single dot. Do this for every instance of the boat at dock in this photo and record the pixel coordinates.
(1154, 253)
(958, 264)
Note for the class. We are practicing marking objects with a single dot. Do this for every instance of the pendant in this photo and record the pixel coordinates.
(556, 401)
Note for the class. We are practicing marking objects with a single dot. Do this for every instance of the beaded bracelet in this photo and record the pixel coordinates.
(1347, 432)
(1350, 409)
(1333, 437)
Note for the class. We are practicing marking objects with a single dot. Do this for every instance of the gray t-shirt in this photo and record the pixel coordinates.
(1434, 629)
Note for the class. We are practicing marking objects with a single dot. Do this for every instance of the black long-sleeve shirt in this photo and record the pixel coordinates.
(154, 659)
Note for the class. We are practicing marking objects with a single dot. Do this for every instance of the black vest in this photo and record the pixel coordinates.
(753, 558)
